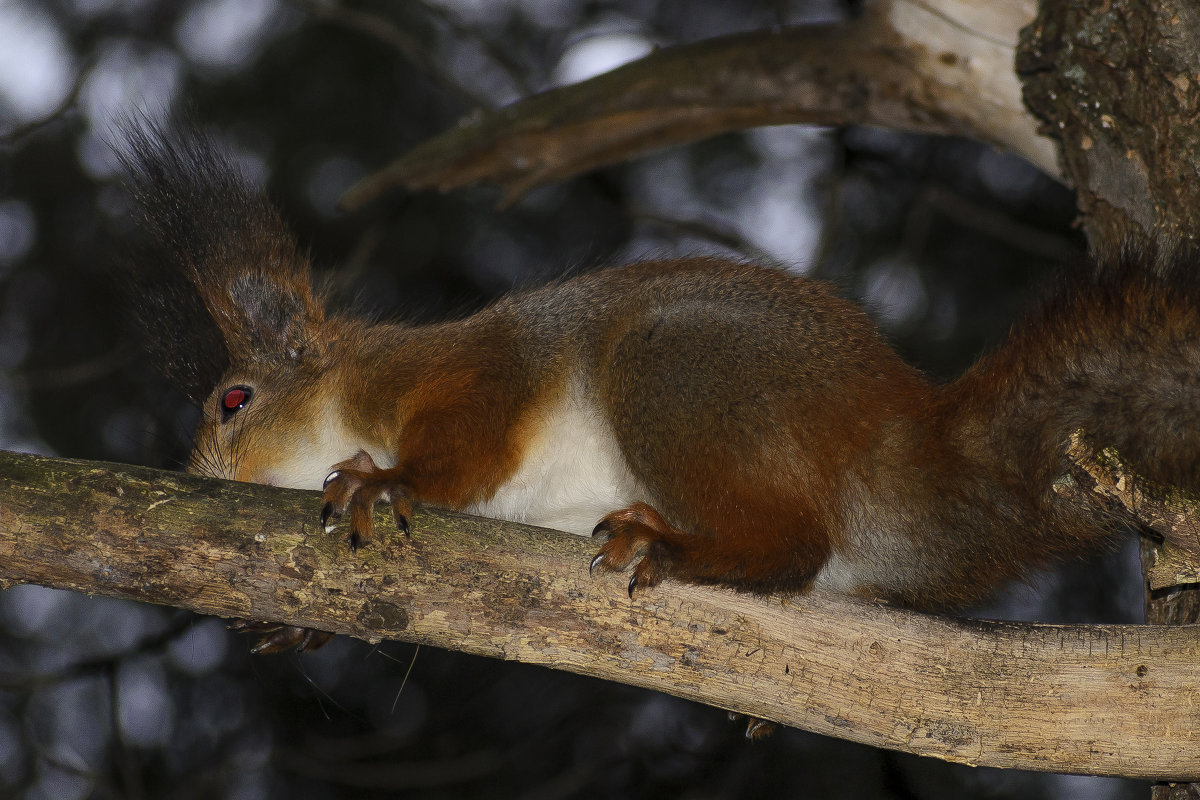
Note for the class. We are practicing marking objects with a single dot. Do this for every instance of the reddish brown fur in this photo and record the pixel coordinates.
(758, 490)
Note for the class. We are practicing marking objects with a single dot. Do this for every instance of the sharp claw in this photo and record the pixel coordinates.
(632, 585)
(759, 729)
(597, 561)
(326, 513)
(275, 642)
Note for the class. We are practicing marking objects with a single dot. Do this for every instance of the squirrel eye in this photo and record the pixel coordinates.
(234, 400)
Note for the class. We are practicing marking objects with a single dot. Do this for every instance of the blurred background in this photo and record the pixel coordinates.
(944, 240)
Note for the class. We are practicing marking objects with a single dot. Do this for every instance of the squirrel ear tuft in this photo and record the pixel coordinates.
(278, 319)
(201, 220)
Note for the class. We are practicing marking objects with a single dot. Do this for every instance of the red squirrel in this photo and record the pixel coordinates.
(710, 421)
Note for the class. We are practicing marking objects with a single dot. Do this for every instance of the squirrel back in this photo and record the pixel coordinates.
(724, 423)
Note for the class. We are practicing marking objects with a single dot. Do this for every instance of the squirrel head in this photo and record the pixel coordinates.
(226, 300)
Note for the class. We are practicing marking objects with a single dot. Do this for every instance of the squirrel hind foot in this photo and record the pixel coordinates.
(636, 531)
(756, 729)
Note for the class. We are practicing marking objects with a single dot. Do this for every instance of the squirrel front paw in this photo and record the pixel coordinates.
(356, 485)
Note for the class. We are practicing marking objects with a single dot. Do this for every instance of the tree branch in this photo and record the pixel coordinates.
(934, 66)
(1115, 700)
(1161, 511)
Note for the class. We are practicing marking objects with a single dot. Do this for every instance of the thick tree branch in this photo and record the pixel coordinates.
(935, 66)
(1118, 700)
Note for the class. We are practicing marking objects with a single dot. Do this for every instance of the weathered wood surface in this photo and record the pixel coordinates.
(1117, 700)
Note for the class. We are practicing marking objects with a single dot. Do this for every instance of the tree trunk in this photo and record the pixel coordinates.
(1117, 84)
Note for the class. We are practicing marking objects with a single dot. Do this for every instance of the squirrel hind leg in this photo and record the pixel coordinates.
(737, 558)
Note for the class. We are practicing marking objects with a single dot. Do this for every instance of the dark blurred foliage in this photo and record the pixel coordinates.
(945, 240)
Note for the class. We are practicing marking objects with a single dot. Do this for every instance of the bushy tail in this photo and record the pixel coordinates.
(1114, 352)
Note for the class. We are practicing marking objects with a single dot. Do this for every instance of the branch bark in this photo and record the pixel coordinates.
(1113, 700)
(933, 66)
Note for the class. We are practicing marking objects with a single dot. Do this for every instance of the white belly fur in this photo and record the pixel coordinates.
(572, 474)
(305, 464)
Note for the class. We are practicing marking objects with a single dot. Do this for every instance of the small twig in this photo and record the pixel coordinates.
(971, 214)
(404, 680)
(65, 107)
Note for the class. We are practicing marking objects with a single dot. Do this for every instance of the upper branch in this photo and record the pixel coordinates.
(924, 65)
(1089, 699)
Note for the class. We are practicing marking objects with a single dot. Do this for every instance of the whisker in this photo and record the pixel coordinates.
(404, 681)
